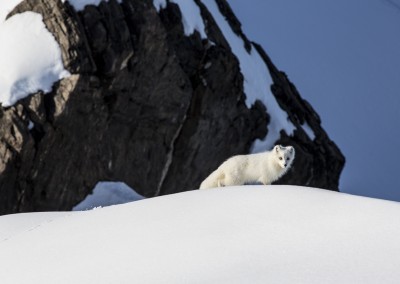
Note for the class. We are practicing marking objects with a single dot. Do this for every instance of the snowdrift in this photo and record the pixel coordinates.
(248, 234)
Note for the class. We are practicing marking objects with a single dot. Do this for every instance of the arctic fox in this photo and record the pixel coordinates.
(265, 167)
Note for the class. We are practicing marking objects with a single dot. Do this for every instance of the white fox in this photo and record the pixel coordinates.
(265, 167)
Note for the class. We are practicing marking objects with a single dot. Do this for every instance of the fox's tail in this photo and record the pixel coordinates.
(213, 180)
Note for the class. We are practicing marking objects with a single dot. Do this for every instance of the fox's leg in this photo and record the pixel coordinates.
(265, 181)
(232, 178)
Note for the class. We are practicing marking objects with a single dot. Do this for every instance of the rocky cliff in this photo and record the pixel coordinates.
(148, 103)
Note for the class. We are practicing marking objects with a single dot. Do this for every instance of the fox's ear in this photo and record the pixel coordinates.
(277, 148)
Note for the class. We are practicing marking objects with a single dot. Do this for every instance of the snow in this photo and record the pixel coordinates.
(308, 130)
(16, 224)
(160, 4)
(257, 82)
(247, 234)
(6, 7)
(108, 193)
(191, 16)
(31, 125)
(79, 5)
(23, 70)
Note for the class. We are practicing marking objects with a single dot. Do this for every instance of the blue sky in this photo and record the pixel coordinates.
(344, 58)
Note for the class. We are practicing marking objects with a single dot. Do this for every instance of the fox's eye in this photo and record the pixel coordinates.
(280, 158)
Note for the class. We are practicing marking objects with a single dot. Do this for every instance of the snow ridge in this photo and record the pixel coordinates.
(257, 82)
(257, 79)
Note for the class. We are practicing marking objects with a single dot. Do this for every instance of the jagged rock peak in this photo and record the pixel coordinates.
(158, 94)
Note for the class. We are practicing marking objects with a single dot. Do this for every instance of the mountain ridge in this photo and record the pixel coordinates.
(146, 105)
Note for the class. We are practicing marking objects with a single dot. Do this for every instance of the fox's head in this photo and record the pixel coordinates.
(284, 155)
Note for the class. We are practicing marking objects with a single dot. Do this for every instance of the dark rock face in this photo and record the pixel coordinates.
(146, 105)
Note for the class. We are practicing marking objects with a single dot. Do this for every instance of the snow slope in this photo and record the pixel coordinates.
(248, 234)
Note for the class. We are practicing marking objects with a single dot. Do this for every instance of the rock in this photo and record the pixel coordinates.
(145, 105)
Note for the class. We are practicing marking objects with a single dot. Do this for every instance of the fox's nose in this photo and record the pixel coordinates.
(285, 165)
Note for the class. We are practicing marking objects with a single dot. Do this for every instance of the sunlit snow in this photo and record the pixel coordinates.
(247, 234)
(30, 58)
(6, 6)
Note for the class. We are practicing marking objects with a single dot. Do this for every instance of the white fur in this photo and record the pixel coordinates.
(265, 167)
